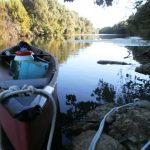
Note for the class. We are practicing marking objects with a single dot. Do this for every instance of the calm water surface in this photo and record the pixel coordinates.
(80, 74)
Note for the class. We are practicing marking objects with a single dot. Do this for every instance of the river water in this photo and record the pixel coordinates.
(82, 76)
(83, 79)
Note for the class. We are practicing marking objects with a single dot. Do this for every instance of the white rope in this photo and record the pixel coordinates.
(146, 145)
(50, 138)
(15, 90)
(100, 129)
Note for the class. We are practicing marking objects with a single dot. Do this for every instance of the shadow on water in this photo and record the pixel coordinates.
(76, 112)
(134, 87)
(105, 92)
(77, 109)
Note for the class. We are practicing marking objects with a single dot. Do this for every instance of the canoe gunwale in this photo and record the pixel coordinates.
(49, 79)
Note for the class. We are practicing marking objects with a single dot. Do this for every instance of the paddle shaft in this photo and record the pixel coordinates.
(13, 55)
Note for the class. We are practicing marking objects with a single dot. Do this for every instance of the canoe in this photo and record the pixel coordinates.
(28, 98)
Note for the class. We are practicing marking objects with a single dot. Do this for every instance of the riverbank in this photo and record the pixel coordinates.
(126, 129)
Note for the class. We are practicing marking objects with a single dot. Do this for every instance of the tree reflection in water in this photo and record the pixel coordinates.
(137, 88)
(77, 110)
(132, 88)
(60, 48)
(105, 92)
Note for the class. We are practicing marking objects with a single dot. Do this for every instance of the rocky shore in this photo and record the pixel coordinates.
(126, 129)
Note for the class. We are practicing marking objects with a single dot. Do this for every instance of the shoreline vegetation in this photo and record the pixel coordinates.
(36, 18)
(136, 25)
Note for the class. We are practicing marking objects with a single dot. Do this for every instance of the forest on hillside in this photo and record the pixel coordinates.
(137, 24)
(46, 18)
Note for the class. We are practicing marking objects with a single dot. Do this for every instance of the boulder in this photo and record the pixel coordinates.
(144, 69)
(106, 142)
(125, 129)
(131, 128)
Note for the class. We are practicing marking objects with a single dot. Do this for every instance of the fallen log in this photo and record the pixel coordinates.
(105, 62)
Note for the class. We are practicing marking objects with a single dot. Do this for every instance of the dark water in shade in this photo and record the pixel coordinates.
(82, 77)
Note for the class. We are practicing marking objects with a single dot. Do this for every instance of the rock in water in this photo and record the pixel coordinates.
(144, 69)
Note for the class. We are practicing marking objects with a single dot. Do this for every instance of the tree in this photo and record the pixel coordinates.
(45, 18)
(139, 24)
(19, 14)
(2, 18)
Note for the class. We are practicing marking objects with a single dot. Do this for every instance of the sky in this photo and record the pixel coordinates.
(102, 16)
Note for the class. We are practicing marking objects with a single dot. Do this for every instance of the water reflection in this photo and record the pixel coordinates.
(105, 92)
(123, 40)
(7, 43)
(112, 36)
(59, 48)
(79, 71)
(82, 37)
(133, 87)
(77, 109)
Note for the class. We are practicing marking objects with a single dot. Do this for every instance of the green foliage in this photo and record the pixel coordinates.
(120, 28)
(51, 19)
(106, 30)
(139, 24)
(45, 18)
(18, 14)
(2, 18)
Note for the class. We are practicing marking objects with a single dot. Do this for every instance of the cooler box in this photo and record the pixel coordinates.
(28, 69)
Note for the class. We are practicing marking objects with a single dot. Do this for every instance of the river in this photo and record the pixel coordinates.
(82, 76)
(83, 79)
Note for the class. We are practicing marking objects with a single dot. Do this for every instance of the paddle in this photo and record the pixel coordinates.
(13, 55)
